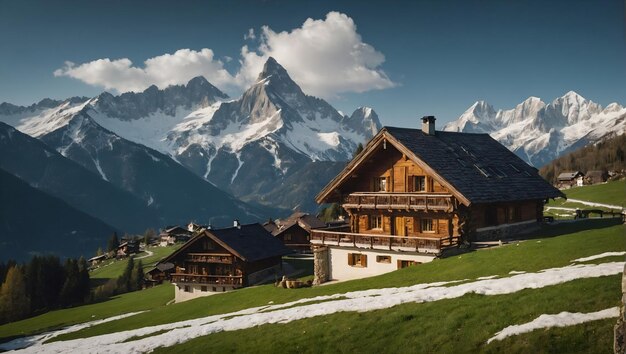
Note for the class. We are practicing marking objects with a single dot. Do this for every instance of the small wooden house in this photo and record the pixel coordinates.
(217, 260)
(570, 179)
(126, 248)
(295, 230)
(595, 177)
(411, 194)
(174, 234)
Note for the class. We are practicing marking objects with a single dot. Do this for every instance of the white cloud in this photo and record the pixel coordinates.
(164, 70)
(325, 57)
(249, 35)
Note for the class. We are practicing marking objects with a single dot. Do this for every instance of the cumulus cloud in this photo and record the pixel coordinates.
(164, 70)
(326, 57)
(249, 35)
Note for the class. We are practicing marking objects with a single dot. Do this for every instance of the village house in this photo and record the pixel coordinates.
(595, 177)
(570, 179)
(218, 260)
(126, 248)
(412, 194)
(174, 234)
(295, 230)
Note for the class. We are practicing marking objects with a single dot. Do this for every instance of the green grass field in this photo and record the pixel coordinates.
(459, 325)
(114, 268)
(612, 193)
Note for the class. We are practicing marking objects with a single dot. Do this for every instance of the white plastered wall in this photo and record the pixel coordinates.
(340, 270)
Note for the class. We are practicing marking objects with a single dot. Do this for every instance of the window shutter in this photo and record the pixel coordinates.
(350, 259)
(388, 185)
(399, 264)
(373, 184)
(411, 182)
(364, 260)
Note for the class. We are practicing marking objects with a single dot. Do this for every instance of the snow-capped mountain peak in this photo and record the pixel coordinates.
(539, 132)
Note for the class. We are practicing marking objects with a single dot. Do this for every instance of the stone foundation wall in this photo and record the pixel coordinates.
(503, 232)
(320, 265)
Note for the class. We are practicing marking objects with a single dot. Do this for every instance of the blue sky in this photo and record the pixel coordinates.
(416, 58)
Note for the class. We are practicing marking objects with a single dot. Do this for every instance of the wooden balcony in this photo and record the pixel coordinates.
(434, 245)
(207, 279)
(210, 258)
(405, 201)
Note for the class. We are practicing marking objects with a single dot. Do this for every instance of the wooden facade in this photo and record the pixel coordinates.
(225, 259)
(422, 191)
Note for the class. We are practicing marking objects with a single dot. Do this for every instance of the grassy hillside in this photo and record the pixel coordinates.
(114, 268)
(611, 193)
(457, 325)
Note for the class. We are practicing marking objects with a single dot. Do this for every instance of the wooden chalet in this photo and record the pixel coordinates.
(295, 231)
(217, 260)
(173, 235)
(413, 193)
(595, 177)
(126, 248)
(570, 179)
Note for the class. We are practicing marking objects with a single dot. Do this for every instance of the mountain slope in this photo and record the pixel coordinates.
(173, 191)
(33, 222)
(247, 146)
(47, 170)
(540, 132)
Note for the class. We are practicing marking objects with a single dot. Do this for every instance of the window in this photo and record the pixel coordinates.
(287, 237)
(187, 289)
(376, 222)
(214, 289)
(383, 259)
(420, 184)
(427, 225)
(204, 288)
(357, 260)
(380, 184)
(405, 263)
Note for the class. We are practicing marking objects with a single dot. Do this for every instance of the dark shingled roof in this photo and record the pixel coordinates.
(251, 242)
(476, 165)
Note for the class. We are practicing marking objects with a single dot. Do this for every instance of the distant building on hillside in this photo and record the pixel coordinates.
(412, 194)
(174, 234)
(595, 177)
(126, 248)
(295, 230)
(570, 179)
(217, 260)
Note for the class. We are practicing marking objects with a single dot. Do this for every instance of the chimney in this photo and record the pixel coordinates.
(237, 224)
(428, 125)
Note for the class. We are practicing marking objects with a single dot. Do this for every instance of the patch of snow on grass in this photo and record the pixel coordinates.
(358, 301)
(37, 341)
(598, 256)
(563, 319)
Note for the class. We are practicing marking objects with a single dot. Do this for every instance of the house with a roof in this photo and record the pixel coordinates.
(596, 176)
(295, 231)
(570, 179)
(218, 260)
(174, 234)
(412, 194)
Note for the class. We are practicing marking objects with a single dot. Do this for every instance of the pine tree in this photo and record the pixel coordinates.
(137, 278)
(358, 150)
(113, 243)
(14, 300)
(124, 283)
(83, 279)
(70, 293)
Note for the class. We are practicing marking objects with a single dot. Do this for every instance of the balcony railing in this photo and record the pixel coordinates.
(407, 201)
(383, 242)
(207, 279)
(209, 258)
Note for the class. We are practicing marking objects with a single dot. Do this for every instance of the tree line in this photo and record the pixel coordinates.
(607, 155)
(43, 284)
